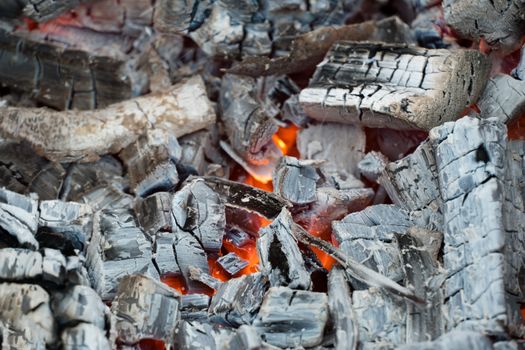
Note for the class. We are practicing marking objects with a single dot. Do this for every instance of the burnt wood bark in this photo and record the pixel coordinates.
(394, 86)
(503, 98)
(85, 135)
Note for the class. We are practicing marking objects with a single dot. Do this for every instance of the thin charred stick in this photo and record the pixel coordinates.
(394, 86)
(85, 135)
(503, 98)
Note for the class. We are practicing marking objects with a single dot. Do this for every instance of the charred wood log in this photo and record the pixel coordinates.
(145, 309)
(18, 219)
(295, 180)
(292, 318)
(73, 135)
(154, 213)
(237, 300)
(454, 340)
(279, 255)
(394, 86)
(503, 98)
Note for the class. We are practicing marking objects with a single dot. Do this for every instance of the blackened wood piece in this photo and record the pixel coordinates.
(145, 309)
(237, 195)
(199, 210)
(342, 316)
(381, 318)
(231, 263)
(372, 165)
(84, 336)
(194, 307)
(18, 219)
(191, 335)
(470, 158)
(500, 23)
(325, 142)
(154, 213)
(87, 80)
(279, 255)
(292, 318)
(44, 10)
(85, 135)
(503, 98)
(190, 254)
(295, 180)
(394, 86)
(454, 340)
(237, 300)
(23, 171)
(25, 311)
(117, 248)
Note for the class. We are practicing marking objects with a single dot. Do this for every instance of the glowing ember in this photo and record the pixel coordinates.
(151, 344)
(516, 129)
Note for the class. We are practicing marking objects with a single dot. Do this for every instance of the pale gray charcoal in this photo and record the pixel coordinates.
(237, 236)
(395, 86)
(503, 98)
(342, 316)
(44, 10)
(164, 254)
(372, 165)
(232, 263)
(237, 300)
(245, 338)
(84, 336)
(190, 254)
(154, 213)
(198, 210)
(500, 23)
(295, 180)
(145, 309)
(481, 235)
(118, 248)
(107, 197)
(280, 257)
(31, 326)
(194, 307)
(18, 219)
(151, 162)
(454, 340)
(191, 335)
(324, 141)
(292, 318)
(381, 318)
(196, 274)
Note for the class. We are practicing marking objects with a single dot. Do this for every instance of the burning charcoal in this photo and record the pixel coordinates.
(381, 318)
(503, 98)
(246, 338)
(84, 135)
(18, 219)
(198, 275)
(237, 300)
(64, 225)
(154, 213)
(324, 142)
(107, 197)
(454, 340)
(484, 219)
(194, 307)
(145, 309)
(500, 24)
(237, 236)
(198, 210)
(231, 263)
(25, 311)
(295, 180)
(237, 195)
(23, 171)
(190, 254)
(372, 165)
(84, 336)
(279, 255)
(341, 311)
(196, 335)
(292, 318)
(118, 248)
(151, 162)
(164, 255)
(394, 86)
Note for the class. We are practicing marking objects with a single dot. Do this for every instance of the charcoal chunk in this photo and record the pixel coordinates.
(295, 180)
(454, 340)
(18, 219)
(503, 98)
(231, 263)
(154, 213)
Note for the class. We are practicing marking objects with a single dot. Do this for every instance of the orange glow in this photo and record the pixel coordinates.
(516, 129)
(250, 180)
(326, 260)
(522, 310)
(151, 344)
(175, 282)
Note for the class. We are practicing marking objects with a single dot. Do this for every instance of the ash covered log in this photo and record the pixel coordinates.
(154, 213)
(18, 219)
(500, 23)
(85, 135)
(454, 340)
(292, 318)
(295, 180)
(279, 255)
(151, 162)
(237, 300)
(117, 248)
(503, 98)
(25, 311)
(479, 202)
(145, 309)
(394, 86)
(198, 210)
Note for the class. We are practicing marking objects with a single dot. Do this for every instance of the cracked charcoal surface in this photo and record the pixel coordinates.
(503, 98)
(394, 86)
(295, 180)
